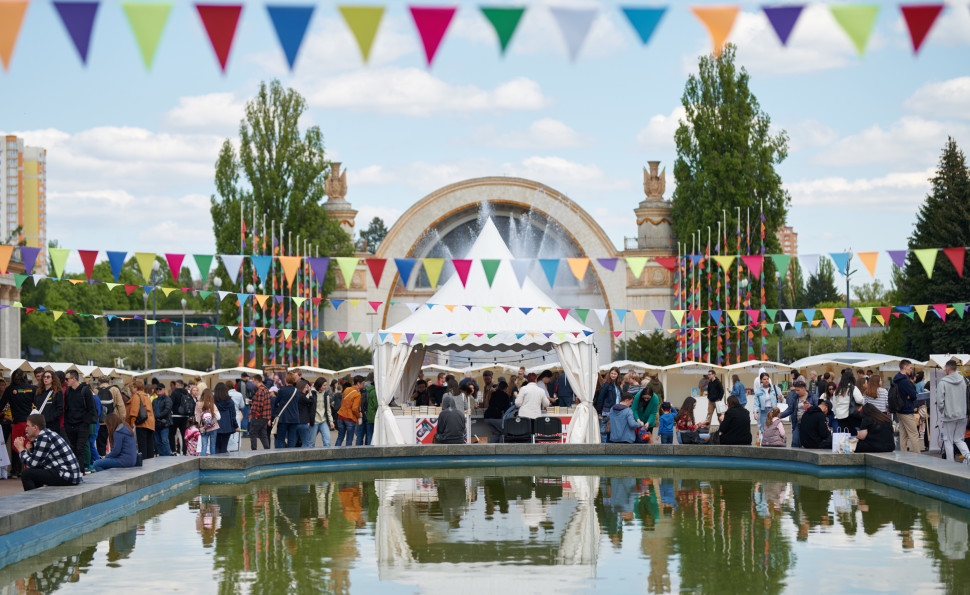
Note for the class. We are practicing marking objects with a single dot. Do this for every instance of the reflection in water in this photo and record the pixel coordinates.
(661, 531)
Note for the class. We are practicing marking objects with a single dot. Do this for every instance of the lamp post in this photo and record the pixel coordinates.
(218, 283)
(154, 281)
(145, 299)
(184, 304)
(848, 303)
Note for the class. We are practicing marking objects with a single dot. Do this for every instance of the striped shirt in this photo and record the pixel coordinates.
(881, 402)
(50, 451)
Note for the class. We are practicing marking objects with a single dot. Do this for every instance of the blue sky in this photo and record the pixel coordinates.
(133, 152)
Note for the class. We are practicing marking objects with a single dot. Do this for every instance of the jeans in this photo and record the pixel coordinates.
(763, 419)
(102, 464)
(498, 429)
(796, 440)
(365, 432)
(604, 434)
(244, 424)
(286, 435)
(308, 435)
(667, 438)
(161, 443)
(565, 401)
(345, 428)
(77, 438)
(207, 443)
(324, 430)
(222, 442)
(35, 478)
(258, 429)
(93, 443)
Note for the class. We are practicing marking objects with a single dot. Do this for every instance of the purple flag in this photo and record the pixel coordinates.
(29, 256)
(78, 19)
(847, 312)
(899, 257)
(783, 19)
(659, 315)
(319, 265)
(608, 263)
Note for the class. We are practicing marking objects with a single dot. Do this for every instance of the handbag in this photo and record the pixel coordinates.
(837, 439)
(277, 420)
(142, 415)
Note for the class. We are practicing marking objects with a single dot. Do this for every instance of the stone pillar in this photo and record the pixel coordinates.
(654, 231)
(337, 206)
(10, 317)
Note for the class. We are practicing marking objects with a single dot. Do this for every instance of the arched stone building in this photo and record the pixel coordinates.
(537, 222)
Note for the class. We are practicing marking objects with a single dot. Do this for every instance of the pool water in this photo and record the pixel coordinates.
(524, 529)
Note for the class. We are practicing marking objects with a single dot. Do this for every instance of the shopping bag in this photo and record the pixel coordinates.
(837, 441)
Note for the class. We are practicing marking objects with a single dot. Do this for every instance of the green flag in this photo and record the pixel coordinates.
(926, 257)
(781, 262)
(857, 20)
(204, 262)
(147, 22)
(504, 19)
(363, 22)
(59, 258)
(491, 267)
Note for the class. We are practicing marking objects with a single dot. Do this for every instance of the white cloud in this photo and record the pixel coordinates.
(658, 134)
(951, 29)
(903, 191)
(416, 92)
(219, 113)
(366, 213)
(945, 99)
(907, 142)
(809, 134)
(545, 133)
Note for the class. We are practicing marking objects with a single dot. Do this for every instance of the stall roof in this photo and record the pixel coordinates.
(769, 366)
(626, 365)
(8, 364)
(692, 368)
(844, 358)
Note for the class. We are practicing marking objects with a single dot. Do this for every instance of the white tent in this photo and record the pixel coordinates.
(488, 327)
(625, 365)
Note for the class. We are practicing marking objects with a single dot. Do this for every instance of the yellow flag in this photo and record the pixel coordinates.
(145, 261)
(432, 267)
(724, 261)
(639, 314)
(347, 265)
(827, 314)
(921, 310)
(636, 264)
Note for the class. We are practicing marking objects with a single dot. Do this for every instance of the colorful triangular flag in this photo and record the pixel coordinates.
(147, 21)
(431, 22)
(220, 22)
(290, 23)
(504, 19)
(363, 22)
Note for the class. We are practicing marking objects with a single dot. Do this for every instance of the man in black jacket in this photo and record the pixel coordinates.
(814, 429)
(162, 407)
(79, 414)
(182, 409)
(715, 392)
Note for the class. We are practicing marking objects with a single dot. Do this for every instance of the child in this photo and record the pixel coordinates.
(192, 435)
(774, 434)
(666, 424)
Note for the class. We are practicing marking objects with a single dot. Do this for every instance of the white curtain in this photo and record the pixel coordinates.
(389, 538)
(578, 364)
(580, 540)
(411, 370)
(390, 362)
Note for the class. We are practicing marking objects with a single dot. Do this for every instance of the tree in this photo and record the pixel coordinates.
(280, 174)
(793, 288)
(872, 294)
(943, 221)
(657, 348)
(821, 286)
(372, 237)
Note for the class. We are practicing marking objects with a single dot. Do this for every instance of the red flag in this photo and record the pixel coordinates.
(919, 20)
(87, 259)
(955, 255)
(220, 22)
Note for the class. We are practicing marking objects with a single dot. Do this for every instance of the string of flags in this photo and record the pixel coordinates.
(148, 21)
(767, 319)
(378, 269)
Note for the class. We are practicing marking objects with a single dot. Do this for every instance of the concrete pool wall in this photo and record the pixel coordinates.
(35, 521)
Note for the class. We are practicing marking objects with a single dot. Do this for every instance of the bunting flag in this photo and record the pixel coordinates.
(809, 263)
(782, 19)
(857, 20)
(667, 262)
(404, 268)
(5, 253)
(521, 268)
(290, 266)
(290, 23)
(174, 265)
(919, 20)
(78, 19)
(505, 20)
(59, 259)
(578, 266)
(347, 266)
(869, 260)
(462, 268)
(376, 268)
(927, 257)
(956, 256)
(781, 263)
(220, 21)
(11, 18)
(644, 20)
(363, 22)
(725, 262)
(147, 21)
(431, 23)
(432, 268)
(490, 266)
(608, 263)
(754, 264)
(719, 20)
(319, 266)
(261, 266)
(574, 24)
(841, 260)
(233, 264)
(203, 262)
(146, 260)
(636, 264)
(898, 256)
(550, 266)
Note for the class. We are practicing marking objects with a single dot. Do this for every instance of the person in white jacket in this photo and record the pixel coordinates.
(532, 398)
(952, 403)
(846, 402)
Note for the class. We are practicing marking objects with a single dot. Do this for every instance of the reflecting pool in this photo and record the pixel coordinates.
(521, 530)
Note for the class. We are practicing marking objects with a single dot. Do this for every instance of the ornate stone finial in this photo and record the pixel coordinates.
(336, 183)
(653, 184)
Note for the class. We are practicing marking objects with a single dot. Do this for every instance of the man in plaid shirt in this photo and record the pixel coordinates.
(47, 457)
(259, 415)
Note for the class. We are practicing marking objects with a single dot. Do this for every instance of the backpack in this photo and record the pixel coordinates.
(107, 404)
(896, 401)
(208, 421)
(187, 405)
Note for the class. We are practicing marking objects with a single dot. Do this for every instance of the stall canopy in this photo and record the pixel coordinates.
(842, 358)
(625, 365)
(509, 318)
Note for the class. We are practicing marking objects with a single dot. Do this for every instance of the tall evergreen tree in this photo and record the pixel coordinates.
(943, 221)
(821, 286)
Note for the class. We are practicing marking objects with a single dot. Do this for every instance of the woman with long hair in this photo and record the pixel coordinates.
(123, 451)
(227, 415)
(49, 401)
(876, 432)
(876, 394)
(207, 416)
(846, 402)
(684, 421)
(609, 395)
(645, 408)
(145, 431)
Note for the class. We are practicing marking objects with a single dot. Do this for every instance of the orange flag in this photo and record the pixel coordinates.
(578, 266)
(290, 264)
(869, 259)
(719, 21)
(11, 17)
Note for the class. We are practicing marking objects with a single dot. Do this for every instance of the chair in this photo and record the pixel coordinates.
(518, 429)
(549, 429)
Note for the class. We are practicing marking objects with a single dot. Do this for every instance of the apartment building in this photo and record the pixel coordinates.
(23, 196)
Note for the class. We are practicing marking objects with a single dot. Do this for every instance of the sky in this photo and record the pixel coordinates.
(131, 153)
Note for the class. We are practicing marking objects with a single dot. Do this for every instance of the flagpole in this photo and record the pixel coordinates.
(727, 299)
(678, 278)
(761, 278)
(747, 289)
(710, 302)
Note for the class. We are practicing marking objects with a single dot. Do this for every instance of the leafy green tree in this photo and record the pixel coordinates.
(872, 294)
(793, 288)
(658, 348)
(821, 286)
(337, 356)
(372, 237)
(279, 173)
(943, 221)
